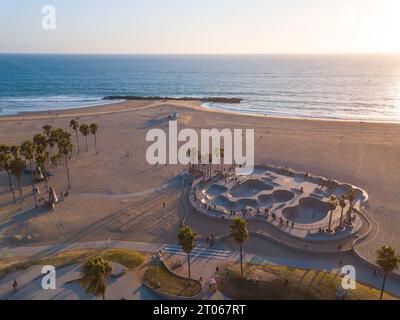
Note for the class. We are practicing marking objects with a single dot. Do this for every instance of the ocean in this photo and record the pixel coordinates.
(354, 87)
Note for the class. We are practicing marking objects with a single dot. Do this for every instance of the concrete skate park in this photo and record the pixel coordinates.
(296, 203)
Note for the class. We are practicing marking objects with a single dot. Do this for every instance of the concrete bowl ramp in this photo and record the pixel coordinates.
(215, 190)
(266, 200)
(243, 203)
(225, 202)
(309, 210)
(281, 196)
(250, 188)
(278, 196)
(238, 205)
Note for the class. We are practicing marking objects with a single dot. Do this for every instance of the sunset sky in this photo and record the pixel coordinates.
(202, 26)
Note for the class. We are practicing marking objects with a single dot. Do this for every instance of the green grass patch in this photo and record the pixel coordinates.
(284, 283)
(169, 283)
(129, 258)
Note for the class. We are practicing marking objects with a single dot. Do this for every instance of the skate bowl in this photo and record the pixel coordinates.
(309, 210)
(250, 188)
(215, 190)
(225, 203)
(278, 196)
(296, 203)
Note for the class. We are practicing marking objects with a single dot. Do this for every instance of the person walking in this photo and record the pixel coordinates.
(15, 286)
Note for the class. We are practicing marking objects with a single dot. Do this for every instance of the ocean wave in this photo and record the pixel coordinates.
(16, 105)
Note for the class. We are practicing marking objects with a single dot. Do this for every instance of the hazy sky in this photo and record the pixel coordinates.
(202, 26)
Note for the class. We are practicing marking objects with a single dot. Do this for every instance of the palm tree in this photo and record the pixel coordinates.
(47, 129)
(188, 154)
(65, 148)
(240, 234)
(42, 157)
(93, 130)
(17, 166)
(187, 239)
(74, 124)
(55, 160)
(40, 140)
(5, 165)
(342, 204)
(351, 196)
(210, 158)
(28, 152)
(51, 138)
(388, 261)
(14, 150)
(332, 206)
(222, 155)
(95, 273)
(199, 162)
(85, 130)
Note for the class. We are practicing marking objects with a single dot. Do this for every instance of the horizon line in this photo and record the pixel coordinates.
(202, 54)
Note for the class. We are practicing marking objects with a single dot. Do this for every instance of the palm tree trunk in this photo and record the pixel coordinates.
(341, 218)
(33, 183)
(190, 277)
(77, 140)
(86, 143)
(11, 186)
(349, 213)
(47, 183)
(241, 260)
(95, 143)
(330, 220)
(383, 285)
(66, 166)
(21, 193)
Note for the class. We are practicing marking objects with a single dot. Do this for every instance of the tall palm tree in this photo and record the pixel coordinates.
(14, 150)
(351, 196)
(52, 140)
(55, 160)
(210, 158)
(189, 155)
(95, 273)
(85, 130)
(5, 165)
(388, 261)
(65, 148)
(40, 140)
(74, 124)
(332, 206)
(17, 165)
(47, 129)
(222, 155)
(240, 234)
(342, 204)
(199, 162)
(28, 152)
(93, 130)
(187, 239)
(42, 158)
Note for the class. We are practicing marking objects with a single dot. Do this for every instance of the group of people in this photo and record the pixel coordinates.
(210, 239)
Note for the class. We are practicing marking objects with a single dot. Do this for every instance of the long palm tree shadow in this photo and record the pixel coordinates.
(111, 218)
(313, 279)
(108, 220)
(25, 216)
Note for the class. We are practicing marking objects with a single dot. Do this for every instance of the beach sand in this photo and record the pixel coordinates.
(114, 193)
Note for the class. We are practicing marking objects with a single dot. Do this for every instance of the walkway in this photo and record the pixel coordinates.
(255, 251)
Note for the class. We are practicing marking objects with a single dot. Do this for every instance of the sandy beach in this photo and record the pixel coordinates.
(117, 194)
